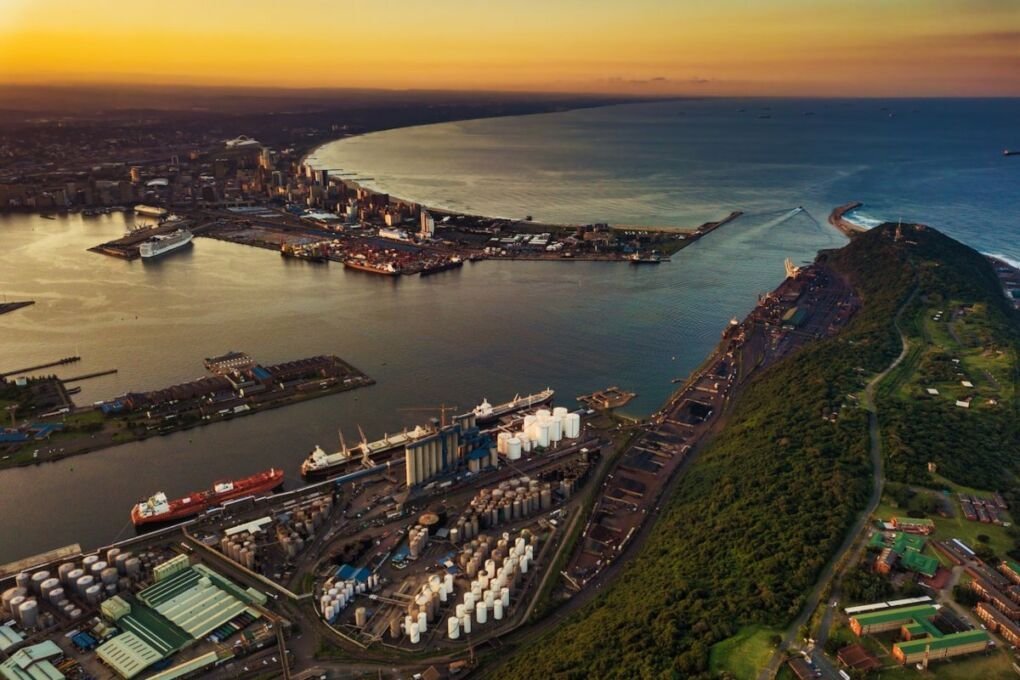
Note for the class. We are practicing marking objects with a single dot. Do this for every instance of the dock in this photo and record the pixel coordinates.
(609, 398)
(837, 219)
(6, 307)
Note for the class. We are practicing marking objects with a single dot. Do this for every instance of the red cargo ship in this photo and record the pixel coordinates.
(157, 509)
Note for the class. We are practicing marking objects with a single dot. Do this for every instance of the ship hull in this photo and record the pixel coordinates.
(272, 481)
(370, 269)
(152, 255)
(510, 407)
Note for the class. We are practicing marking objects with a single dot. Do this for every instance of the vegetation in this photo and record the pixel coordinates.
(743, 655)
(756, 518)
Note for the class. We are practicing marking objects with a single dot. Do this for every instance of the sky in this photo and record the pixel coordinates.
(644, 47)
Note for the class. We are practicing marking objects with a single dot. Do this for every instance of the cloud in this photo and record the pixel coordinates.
(656, 80)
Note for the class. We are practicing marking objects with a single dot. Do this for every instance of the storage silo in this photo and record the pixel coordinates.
(423, 622)
(559, 412)
(37, 580)
(481, 613)
(453, 627)
(555, 430)
(48, 586)
(23, 580)
(28, 613)
(15, 605)
(513, 448)
(57, 595)
(63, 570)
(414, 634)
(497, 610)
(543, 414)
(501, 440)
(572, 425)
(465, 623)
(82, 584)
(543, 434)
(94, 594)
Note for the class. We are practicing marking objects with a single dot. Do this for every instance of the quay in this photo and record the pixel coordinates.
(87, 376)
(6, 307)
(838, 220)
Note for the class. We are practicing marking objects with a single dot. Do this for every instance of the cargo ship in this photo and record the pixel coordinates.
(486, 413)
(320, 464)
(160, 244)
(158, 509)
(386, 269)
(150, 211)
(442, 266)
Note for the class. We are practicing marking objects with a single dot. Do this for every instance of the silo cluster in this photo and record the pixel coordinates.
(338, 595)
(423, 609)
(494, 569)
(295, 529)
(241, 548)
(543, 429)
(71, 587)
(417, 540)
(512, 500)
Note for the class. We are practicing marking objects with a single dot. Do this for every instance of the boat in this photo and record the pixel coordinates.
(442, 266)
(47, 216)
(637, 258)
(487, 413)
(320, 464)
(386, 269)
(1007, 152)
(151, 211)
(159, 509)
(164, 243)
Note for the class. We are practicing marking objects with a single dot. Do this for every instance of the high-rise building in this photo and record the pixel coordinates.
(428, 225)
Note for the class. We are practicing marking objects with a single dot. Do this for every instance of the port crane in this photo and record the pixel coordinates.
(443, 409)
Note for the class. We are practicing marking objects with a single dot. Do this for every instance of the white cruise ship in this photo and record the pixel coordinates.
(164, 243)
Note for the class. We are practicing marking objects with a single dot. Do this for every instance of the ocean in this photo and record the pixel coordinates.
(490, 329)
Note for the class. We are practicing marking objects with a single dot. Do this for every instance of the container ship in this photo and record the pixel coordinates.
(320, 464)
(487, 413)
(160, 244)
(158, 509)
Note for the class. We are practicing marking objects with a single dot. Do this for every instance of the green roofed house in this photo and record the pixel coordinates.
(33, 663)
(904, 542)
(891, 619)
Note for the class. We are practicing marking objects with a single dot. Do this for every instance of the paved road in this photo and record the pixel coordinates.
(877, 484)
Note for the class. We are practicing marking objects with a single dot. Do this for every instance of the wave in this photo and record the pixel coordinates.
(1005, 258)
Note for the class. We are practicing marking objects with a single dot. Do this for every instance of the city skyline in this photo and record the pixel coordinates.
(786, 48)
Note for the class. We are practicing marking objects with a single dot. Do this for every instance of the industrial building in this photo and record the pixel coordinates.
(444, 450)
(33, 663)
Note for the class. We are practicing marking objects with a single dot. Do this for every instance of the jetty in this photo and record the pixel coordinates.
(837, 219)
(6, 307)
(39, 367)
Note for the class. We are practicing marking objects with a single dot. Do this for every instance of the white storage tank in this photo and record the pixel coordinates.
(501, 441)
(63, 570)
(83, 584)
(28, 614)
(453, 627)
(481, 613)
(465, 624)
(37, 580)
(529, 421)
(513, 448)
(572, 426)
(525, 440)
(15, 605)
(423, 622)
(543, 434)
(555, 429)
(497, 610)
(559, 412)
(414, 634)
(543, 415)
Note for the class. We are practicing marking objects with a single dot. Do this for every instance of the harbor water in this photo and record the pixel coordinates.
(489, 329)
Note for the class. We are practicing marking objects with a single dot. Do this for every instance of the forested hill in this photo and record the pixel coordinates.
(769, 501)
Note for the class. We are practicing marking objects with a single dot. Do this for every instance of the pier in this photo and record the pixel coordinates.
(837, 219)
(39, 367)
(6, 307)
(87, 376)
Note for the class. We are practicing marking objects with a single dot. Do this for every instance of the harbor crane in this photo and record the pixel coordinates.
(443, 409)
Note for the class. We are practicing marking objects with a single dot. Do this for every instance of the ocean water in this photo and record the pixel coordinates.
(490, 329)
(683, 163)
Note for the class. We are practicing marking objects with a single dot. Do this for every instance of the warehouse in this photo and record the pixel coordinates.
(128, 655)
(198, 600)
(948, 646)
(33, 663)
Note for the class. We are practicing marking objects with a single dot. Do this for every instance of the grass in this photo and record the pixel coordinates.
(744, 654)
(992, 666)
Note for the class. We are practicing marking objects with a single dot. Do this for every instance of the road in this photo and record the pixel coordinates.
(877, 484)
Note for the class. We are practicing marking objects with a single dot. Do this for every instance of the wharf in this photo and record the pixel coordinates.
(837, 219)
(6, 307)
(609, 398)
(126, 247)
(87, 376)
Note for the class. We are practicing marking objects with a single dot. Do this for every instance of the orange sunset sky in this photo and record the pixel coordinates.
(721, 47)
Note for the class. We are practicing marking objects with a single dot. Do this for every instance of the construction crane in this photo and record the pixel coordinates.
(442, 408)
